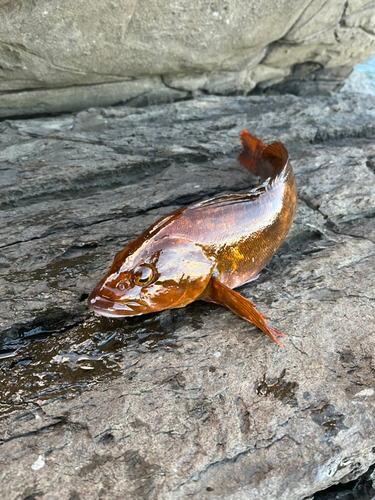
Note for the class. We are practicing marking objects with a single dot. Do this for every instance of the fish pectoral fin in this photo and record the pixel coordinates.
(220, 294)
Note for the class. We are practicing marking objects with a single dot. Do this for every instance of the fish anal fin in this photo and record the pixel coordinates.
(220, 294)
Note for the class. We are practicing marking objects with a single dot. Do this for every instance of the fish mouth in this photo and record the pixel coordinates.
(110, 309)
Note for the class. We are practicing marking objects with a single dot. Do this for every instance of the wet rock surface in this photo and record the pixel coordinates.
(187, 402)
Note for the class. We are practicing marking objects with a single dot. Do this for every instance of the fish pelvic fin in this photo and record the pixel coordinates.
(220, 294)
(261, 160)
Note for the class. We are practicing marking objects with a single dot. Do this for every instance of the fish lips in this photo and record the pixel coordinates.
(111, 309)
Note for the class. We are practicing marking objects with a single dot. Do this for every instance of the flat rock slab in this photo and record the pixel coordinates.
(189, 402)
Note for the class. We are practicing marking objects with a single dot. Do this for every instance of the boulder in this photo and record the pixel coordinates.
(189, 402)
(64, 57)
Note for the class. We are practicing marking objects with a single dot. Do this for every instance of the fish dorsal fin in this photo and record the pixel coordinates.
(261, 160)
(277, 156)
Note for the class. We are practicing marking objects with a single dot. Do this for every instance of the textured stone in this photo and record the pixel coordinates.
(90, 41)
(194, 401)
(140, 92)
(87, 53)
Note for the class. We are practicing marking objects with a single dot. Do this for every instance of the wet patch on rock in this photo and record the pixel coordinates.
(330, 421)
(279, 388)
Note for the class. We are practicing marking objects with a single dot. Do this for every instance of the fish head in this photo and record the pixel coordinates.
(162, 274)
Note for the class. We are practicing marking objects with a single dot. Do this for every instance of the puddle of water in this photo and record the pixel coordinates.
(46, 363)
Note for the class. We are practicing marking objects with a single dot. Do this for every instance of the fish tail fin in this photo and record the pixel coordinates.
(261, 160)
(251, 152)
(276, 155)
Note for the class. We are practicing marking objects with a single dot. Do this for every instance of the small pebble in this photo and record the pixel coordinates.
(38, 464)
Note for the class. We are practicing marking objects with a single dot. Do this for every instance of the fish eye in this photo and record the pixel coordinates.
(143, 275)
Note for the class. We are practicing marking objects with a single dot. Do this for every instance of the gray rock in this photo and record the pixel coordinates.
(97, 53)
(139, 92)
(194, 401)
(360, 489)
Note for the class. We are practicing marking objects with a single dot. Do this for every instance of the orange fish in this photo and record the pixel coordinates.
(203, 251)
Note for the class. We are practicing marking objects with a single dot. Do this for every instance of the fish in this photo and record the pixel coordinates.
(205, 250)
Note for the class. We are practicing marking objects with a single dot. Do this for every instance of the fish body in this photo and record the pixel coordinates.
(206, 249)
